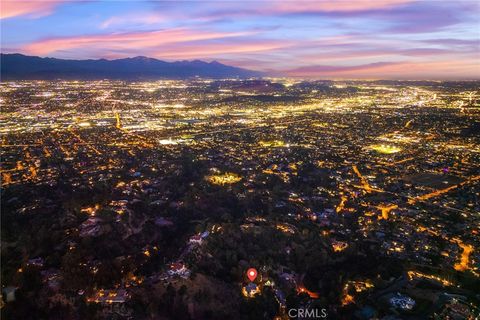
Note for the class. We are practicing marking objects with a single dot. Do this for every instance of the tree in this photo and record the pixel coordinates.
(76, 275)
(182, 290)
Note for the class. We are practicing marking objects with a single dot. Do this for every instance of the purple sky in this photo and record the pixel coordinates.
(389, 39)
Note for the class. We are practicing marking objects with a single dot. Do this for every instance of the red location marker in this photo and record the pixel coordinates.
(251, 274)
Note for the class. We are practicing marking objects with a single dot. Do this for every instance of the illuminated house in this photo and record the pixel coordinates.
(178, 269)
(91, 227)
(402, 302)
(110, 296)
(196, 239)
(250, 290)
(339, 245)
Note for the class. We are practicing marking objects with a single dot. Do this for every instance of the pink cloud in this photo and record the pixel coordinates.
(32, 8)
(382, 53)
(335, 5)
(274, 7)
(127, 42)
(143, 19)
(218, 50)
(188, 51)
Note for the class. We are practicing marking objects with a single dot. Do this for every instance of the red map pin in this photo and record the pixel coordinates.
(252, 274)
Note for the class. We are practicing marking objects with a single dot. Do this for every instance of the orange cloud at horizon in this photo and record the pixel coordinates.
(458, 69)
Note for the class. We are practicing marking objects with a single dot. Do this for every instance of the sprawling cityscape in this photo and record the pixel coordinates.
(239, 160)
(152, 199)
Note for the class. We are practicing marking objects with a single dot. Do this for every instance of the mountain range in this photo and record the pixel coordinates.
(17, 66)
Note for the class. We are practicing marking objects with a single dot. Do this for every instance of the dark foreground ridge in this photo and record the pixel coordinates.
(20, 67)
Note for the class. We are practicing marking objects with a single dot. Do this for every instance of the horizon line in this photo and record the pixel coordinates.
(207, 60)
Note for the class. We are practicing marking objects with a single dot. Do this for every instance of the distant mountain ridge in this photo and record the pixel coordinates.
(17, 66)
